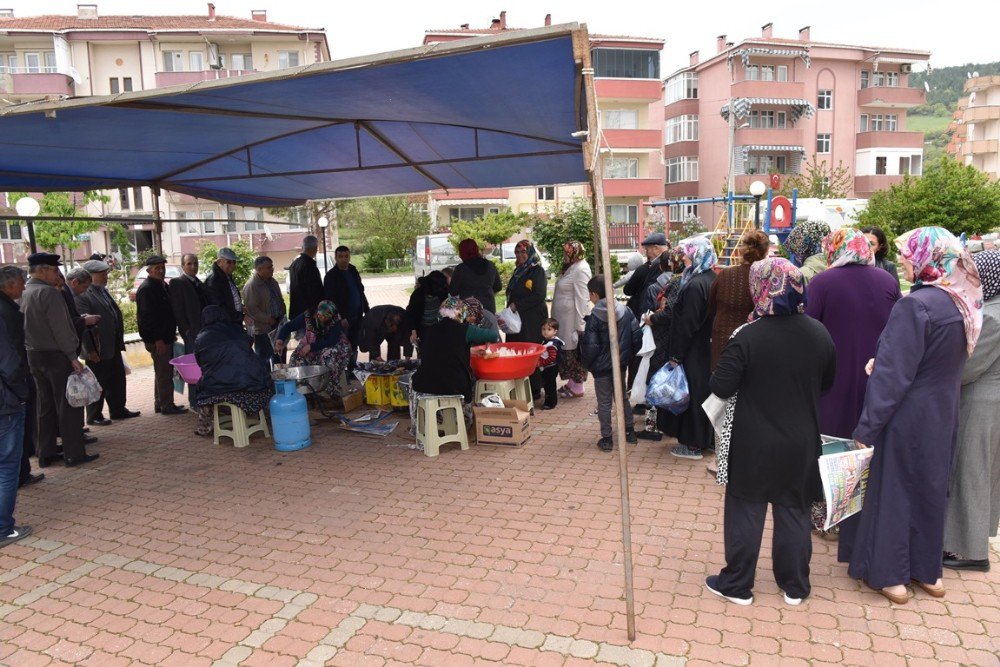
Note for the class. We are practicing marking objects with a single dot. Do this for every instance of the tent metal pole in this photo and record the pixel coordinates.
(617, 376)
(157, 220)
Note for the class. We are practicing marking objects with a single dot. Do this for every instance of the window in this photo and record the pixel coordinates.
(878, 80)
(123, 198)
(208, 222)
(752, 73)
(892, 79)
(782, 121)
(8, 63)
(760, 164)
(230, 226)
(890, 122)
(916, 163)
(137, 199)
(288, 59)
(682, 212)
(241, 61)
(825, 99)
(762, 119)
(197, 61)
(682, 128)
(863, 125)
(865, 78)
(877, 125)
(622, 214)
(880, 165)
(546, 193)
(626, 63)
(253, 214)
(620, 167)
(185, 227)
(466, 213)
(10, 231)
(113, 85)
(620, 119)
(127, 84)
(822, 143)
(782, 72)
(904, 164)
(32, 62)
(173, 61)
(767, 72)
(681, 87)
(682, 169)
(50, 62)
(781, 164)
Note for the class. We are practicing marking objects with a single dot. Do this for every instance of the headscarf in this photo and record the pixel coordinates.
(988, 263)
(776, 287)
(468, 249)
(940, 260)
(323, 317)
(213, 314)
(475, 310)
(847, 246)
(532, 261)
(454, 308)
(574, 249)
(701, 252)
(806, 240)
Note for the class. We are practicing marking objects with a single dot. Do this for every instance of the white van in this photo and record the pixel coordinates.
(433, 252)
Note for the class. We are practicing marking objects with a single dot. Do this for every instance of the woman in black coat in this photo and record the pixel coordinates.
(476, 276)
(230, 370)
(526, 294)
(690, 344)
(422, 308)
(772, 372)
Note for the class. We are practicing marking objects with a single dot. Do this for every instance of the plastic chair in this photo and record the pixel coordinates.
(522, 392)
(432, 434)
(237, 426)
(506, 389)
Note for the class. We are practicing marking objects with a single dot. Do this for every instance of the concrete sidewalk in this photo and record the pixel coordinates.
(170, 550)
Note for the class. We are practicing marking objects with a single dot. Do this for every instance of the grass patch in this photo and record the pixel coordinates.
(927, 124)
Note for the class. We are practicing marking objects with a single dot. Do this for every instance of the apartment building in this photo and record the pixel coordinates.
(629, 101)
(976, 136)
(792, 99)
(90, 54)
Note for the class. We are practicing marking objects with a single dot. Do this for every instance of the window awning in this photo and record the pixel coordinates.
(878, 60)
(745, 53)
(742, 106)
(778, 148)
(393, 123)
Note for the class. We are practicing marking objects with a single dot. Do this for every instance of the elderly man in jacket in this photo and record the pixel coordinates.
(305, 284)
(343, 286)
(14, 394)
(51, 341)
(262, 302)
(222, 291)
(103, 350)
(158, 331)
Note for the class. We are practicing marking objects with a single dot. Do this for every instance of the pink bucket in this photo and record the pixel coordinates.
(188, 368)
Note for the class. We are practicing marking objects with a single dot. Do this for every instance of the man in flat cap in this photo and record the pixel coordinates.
(158, 330)
(51, 341)
(222, 291)
(104, 350)
(635, 289)
(305, 285)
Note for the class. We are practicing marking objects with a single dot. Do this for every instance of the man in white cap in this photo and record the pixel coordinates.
(104, 350)
(221, 289)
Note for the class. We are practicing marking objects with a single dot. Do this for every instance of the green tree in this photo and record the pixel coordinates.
(389, 225)
(575, 223)
(690, 227)
(63, 236)
(819, 180)
(208, 252)
(958, 197)
(491, 229)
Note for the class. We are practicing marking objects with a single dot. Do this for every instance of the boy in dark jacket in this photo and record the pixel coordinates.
(595, 354)
(548, 363)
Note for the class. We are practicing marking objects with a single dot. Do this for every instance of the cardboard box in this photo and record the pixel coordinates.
(509, 426)
(353, 400)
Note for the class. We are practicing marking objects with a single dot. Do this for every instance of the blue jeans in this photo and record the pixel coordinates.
(11, 447)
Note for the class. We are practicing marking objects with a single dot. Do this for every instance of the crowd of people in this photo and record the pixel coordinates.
(824, 342)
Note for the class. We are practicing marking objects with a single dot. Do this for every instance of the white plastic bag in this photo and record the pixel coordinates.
(82, 388)
(509, 321)
(638, 394)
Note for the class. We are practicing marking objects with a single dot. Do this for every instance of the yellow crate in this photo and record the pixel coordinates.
(384, 391)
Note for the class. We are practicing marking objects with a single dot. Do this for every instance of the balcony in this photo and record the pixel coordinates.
(633, 187)
(866, 185)
(982, 83)
(743, 181)
(651, 139)
(629, 89)
(680, 148)
(789, 89)
(979, 114)
(981, 146)
(680, 108)
(36, 83)
(754, 136)
(891, 97)
(164, 79)
(889, 140)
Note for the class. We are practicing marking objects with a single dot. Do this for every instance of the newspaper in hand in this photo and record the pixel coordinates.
(843, 467)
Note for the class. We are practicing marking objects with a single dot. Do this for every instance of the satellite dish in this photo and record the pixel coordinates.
(975, 74)
(27, 206)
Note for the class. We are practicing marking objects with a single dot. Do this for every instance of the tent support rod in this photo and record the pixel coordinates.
(401, 155)
(157, 220)
(617, 376)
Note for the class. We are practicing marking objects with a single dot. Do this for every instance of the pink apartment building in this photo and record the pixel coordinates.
(90, 54)
(976, 129)
(793, 98)
(629, 99)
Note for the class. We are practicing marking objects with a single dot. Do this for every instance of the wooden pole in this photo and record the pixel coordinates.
(157, 220)
(594, 166)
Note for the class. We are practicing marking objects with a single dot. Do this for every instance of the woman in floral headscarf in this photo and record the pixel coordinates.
(690, 344)
(772, 373)
(910, 417)
(324, 341)
(805, 244)
(570, 304)
(974, 499)
(526, 292)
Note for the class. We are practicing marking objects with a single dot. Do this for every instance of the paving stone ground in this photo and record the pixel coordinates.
(170, 550)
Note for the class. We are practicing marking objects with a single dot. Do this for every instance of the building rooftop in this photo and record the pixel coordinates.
(500, 25)
(58, 23)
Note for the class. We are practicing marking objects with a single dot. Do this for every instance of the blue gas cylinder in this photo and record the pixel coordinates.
(289, 417)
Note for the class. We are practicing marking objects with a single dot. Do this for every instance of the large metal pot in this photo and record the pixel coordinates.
(308, 379)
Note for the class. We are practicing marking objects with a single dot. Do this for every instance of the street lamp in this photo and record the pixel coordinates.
(757, 189)
(323, 222)
(29, 208)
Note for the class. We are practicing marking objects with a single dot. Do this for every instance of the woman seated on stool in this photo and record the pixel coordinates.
(325, 342)
(230, 370)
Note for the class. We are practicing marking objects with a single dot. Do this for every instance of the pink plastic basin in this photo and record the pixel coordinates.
(187, 367)
(506, 368)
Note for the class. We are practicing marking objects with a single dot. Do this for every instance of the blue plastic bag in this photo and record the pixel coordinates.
(669, 389)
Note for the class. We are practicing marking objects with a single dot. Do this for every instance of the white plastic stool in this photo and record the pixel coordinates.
(522, 392)
(430, 433)
(506, 389)
(237, 426)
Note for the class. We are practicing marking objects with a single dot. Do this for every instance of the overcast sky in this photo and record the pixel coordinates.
(955, 33)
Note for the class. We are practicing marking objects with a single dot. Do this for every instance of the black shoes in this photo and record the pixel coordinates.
(630, 437)
(954, 562)
(18, 533)
(128, 414)
(30, 479)
(89, 439)
(548, 407)
(605, 444)
(86, 458)
(173, 410)
(99, 421)
(649, 435)
(45, 461)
